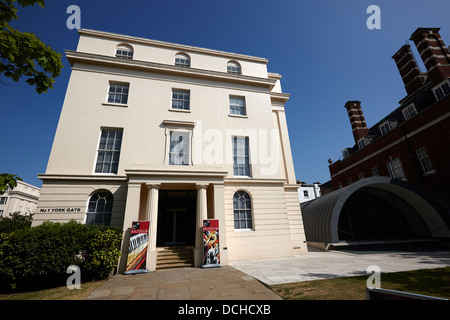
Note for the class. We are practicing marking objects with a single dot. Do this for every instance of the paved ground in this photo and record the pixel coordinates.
(245, 280)
(224, 283)
(318, 264)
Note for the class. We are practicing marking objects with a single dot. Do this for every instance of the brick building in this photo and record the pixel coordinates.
(412, 143)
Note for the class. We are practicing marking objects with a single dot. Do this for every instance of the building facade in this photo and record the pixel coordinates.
(410, 144)
(392, 186)
(309, 191)
(174, 134)
(23, 198)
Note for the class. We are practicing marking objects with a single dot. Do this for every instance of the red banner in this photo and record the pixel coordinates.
(211, 250)
(137, 249)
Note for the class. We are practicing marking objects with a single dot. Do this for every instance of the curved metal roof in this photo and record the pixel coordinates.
(321, 216)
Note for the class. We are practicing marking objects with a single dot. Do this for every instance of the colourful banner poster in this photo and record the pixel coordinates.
(137, 249)
(211, 252)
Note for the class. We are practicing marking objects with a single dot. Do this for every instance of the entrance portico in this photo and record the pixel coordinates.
(145, 188)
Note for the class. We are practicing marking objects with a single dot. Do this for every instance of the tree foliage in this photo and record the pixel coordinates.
(15, 221)
(8, 181)
(23, 54)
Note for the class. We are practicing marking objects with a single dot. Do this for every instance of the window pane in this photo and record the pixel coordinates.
(425, 160)
(118, 93)
(241, 163)
(237, 105)
(180, 100)
(242, 210)
(179, 148)
(100, 209)
(109, 151)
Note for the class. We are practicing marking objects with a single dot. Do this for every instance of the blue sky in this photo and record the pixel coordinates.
(322, 48)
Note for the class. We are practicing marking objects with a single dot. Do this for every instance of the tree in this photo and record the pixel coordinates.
(21, 51)
(8, 181)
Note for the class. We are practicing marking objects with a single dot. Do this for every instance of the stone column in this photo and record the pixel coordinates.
(152, 216)
(219, 213)
(131, 214)
(202, 213)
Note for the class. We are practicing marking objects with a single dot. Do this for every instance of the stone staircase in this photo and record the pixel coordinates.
(174, 257)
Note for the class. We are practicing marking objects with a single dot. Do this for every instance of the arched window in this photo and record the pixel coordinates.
(242, 209)
(182, 60)
(233, 67)
(100, 208)
(124, 51)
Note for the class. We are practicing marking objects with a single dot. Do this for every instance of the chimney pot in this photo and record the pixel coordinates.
(409, 71)
(357, 121)
(433, 52)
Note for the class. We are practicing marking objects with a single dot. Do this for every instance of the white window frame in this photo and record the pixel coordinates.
(248, 210)
(345, 153)
(107, 150)
(178, 126)
(375, 172)
(383, 127)
(234, 67)
(409, 112)
(121, 94)
(233, 106)
(124, 51)
(186, 141)
(182, 100)
(95, 211)
(182, 60)
(247, 163)
(361, 143)
(425, 161)
(395, 169)
(442, 90)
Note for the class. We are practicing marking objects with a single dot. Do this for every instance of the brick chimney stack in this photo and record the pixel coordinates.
(434, 53)
(355, 114)
(409, 71)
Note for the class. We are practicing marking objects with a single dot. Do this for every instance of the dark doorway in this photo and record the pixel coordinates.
(176, 217)
(374, 214)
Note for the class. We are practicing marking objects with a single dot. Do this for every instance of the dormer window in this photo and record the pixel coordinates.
(124, 52)
(233, 67)
(442, 91)
(361, 143)
(385, 127)
(345, 153)
(182, 60)
(409, 112)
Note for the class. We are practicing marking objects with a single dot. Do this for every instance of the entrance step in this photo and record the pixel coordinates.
(175, 257)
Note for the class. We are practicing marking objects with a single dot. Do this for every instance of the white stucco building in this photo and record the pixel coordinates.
(308, 192)
(23, 198)
(174, 134)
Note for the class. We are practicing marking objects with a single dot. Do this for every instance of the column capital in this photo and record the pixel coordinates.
(154, 186)
(199, 186)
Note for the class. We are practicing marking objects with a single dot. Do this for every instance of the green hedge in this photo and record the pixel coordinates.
(41, 255)
(15, 221)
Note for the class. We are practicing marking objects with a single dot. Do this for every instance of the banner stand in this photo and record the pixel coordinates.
(137, 249)
(211, 248)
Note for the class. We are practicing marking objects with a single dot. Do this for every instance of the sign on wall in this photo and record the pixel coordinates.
(137, 249)
(211, 251)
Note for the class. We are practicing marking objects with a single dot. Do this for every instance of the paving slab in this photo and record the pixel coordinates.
(225, 283)
(250, 280)
(320, 264)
